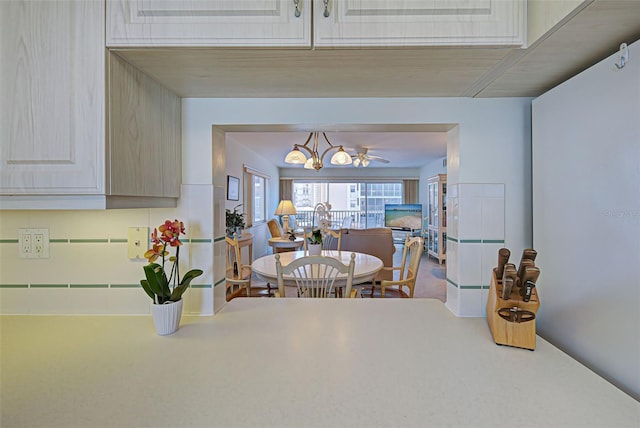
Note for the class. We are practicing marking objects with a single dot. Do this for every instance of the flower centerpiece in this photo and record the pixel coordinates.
(166, 291)
(314, 240)
(234, 221)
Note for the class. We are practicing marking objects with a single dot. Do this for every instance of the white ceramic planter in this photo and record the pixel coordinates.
(314, 249)
(166, 318)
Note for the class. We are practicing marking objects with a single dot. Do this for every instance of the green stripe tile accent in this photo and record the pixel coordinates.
(452, 283)
(219, 282)
(200, 285)
(452, 239)
(58, 241)
(493, 241)
(471, 287)
(8, 241)
(485, 287)
(218, 239)
(89, 241)
(470, 241)
(201, 241)
(185, 240)
(89, 285)
(49, 285)
(125, 286)
(14, 285)
(118, 241)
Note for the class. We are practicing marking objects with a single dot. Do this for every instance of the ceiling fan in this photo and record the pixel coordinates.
(362, 158)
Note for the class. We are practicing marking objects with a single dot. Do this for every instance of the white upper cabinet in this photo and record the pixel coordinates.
(361, 23)
(79, 127)
(208, 23)
(334, 23)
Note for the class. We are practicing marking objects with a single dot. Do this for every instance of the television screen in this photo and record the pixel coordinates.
(403, 216)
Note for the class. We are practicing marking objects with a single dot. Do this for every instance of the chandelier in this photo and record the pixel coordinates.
(315, 159)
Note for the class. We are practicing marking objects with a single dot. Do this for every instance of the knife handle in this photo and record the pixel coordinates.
(529, 254)
(529, 280)
(503, 258)
(524, 264)
(509, 277)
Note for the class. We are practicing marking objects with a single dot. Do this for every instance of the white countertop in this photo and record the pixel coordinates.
(295, 362)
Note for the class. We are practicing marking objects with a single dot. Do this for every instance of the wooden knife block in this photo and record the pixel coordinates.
(519, 335)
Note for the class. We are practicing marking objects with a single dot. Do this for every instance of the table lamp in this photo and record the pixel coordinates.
(285, 209)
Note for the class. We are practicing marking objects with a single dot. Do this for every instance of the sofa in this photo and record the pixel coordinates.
(376, 241)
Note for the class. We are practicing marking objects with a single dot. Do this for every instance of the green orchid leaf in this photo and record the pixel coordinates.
(157, 280)
(184, 284)
(147, 289)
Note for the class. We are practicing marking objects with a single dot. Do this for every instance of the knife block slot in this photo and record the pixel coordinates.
(519, 335)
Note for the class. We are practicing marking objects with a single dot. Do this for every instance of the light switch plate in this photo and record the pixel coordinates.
(137, 242)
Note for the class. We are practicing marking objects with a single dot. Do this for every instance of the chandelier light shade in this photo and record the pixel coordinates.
(315, 159)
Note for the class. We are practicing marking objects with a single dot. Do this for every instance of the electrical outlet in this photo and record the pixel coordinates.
(33, 243)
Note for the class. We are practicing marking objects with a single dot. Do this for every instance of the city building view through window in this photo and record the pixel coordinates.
(355, 205)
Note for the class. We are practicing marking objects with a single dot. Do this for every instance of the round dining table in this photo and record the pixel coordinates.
(365, 269)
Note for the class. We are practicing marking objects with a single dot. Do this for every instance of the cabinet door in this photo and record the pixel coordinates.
(208, 23)
(418, 23)
(52, 74)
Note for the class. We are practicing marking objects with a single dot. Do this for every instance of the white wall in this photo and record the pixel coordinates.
(586, 212)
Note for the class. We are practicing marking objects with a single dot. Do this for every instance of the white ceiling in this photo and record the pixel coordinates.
(593, 32)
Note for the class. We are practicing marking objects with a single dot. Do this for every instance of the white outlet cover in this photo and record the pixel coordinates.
(137, 242)
(33, 243)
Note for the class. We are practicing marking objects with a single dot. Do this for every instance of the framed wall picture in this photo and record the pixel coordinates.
(233, 184)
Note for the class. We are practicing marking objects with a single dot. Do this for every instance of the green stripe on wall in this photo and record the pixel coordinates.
(201, 241)
(452, 239)
(118, 241)
(8, 241)
(452, 283)
(219, 282)
(471, 287)
(218, 239)
(89, 285)
(125, 286)
(470, 241)
(200, 285)
(59, 241)
(14, 285)
(493, 241)
(49, 285)
(89, 241)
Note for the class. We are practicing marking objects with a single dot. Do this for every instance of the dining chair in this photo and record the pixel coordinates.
(332, 239)
(274, 228)
(315, 276)
(238, 274)
(407, 271)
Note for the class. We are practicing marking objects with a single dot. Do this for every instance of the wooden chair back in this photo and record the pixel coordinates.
(274, 228)
(332, 240)
(411, 257)
(315, 276)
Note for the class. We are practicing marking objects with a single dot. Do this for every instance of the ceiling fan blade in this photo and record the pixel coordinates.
(378, 159)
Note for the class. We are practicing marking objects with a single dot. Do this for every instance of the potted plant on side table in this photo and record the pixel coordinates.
(166, 292)
(234, 221)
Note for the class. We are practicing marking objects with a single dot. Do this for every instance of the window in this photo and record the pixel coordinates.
(362, 201)
(255, 196)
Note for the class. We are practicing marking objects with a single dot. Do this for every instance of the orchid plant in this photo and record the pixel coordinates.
(157, 285)
(323, 211)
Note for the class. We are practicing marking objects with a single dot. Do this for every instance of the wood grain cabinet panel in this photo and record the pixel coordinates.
(208, 23)
(79, 127)
(357, 23)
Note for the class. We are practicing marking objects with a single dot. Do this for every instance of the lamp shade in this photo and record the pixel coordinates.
(341, 158)
(295, 157)
(285, 207)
